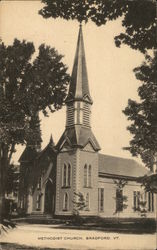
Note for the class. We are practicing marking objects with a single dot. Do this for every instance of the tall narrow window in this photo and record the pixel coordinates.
(150, 202)
(87, 201)
(39, 184)
(101, 199)
(64, 175)
(65, 202)
(69, 175)
(89, 176)
(136, 200)
(85, 176)
(38, 202)
(119, 200)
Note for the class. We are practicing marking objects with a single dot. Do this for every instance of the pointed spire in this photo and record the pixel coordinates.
(79, 89)
(51, 142)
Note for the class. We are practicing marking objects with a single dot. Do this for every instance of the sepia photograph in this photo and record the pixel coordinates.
(78, 124)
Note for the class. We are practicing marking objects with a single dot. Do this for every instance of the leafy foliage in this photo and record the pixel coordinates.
(12, 179)
(138, 17)
(79, 205)
(28, 84)
(120, 198)
(143, 114)
(27, 87)
(150, 183)
(139, 20)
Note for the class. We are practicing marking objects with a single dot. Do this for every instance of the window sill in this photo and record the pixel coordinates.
(87, 187)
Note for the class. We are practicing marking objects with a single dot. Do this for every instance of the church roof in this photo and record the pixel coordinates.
(50, 149)
(29, 154)
(79, 89)
(112, 165)
(78, 136)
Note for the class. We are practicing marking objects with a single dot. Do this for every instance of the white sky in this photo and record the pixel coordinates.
(111, 79)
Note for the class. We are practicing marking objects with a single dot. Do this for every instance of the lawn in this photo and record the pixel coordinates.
(11, 246)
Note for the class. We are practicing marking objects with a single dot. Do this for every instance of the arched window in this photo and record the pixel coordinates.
(85, 176)
(38, 202)
(87, 201)
(66, 175)
(89, 176)
(39, 184)
(65, 202)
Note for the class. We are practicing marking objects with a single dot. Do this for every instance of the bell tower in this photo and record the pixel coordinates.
(79, 100)
(77, 160)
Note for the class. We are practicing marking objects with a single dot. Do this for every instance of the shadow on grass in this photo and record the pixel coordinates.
(12, 246)
(125, 226)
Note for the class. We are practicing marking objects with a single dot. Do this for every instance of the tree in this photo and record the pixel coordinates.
(27, 86)
(138, 17)
(79, 205)
(143, 114)
(120, 198)
(12, 179)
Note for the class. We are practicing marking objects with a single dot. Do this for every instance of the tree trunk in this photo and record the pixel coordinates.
(3, 174)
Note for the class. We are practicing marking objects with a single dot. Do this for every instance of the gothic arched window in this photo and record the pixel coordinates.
(87, 176)
(66, 175)
(65, 202)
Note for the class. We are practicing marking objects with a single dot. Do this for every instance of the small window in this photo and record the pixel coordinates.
(87, 202)
(39, 184)
(119, 200)
(65, 202)
(150, 202)
(136, 200)
(101, 199)
(85, 176)
(38, 202)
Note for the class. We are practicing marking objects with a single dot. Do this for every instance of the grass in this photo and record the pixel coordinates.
(12, 246)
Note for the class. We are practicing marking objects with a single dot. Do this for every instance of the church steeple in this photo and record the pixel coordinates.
(78, 131)
(79, 89)
(79, 100)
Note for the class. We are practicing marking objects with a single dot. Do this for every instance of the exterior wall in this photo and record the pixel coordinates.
(69, 157)
(77, 160)
(33, 199)
(89, 158)
(110, 202)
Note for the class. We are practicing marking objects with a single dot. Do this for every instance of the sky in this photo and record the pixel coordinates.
(111, 80)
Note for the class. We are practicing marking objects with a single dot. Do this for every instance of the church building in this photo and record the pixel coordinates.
(55, 178)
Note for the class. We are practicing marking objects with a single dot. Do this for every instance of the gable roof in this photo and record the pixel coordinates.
(28, 155)
(112, 165)
(78, 136)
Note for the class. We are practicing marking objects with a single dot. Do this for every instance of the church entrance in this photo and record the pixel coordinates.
(49, 207)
